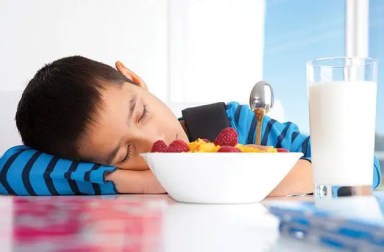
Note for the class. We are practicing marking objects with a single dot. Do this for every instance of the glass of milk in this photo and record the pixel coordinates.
(342, 110)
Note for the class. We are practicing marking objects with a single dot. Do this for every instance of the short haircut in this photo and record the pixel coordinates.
(60, 101)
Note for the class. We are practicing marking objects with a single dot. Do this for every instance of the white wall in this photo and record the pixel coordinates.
(9, 135)
(36, 32)
(188, 51)
(33, 33)
(216, 49)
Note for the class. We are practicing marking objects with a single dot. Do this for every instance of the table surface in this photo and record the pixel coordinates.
(139, 223)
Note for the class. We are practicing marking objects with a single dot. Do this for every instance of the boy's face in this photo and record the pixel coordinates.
(129, 121)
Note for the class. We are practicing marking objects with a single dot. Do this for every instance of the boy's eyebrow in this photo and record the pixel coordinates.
(112, 155)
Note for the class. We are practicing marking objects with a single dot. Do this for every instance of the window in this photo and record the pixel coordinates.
(295, 32)
(376, 50)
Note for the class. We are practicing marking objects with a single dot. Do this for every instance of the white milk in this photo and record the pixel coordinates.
(342, 125)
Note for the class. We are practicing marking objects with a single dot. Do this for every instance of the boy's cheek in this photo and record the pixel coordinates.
(135, 164)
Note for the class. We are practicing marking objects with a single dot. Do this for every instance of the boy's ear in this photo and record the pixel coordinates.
(130, 75)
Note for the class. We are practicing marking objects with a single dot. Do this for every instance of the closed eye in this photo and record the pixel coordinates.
(144, 114)
(127, 156)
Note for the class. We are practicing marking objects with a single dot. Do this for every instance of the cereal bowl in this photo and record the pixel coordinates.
(220, 177)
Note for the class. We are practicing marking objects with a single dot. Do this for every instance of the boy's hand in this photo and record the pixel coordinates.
(127, 181)
(297, 181)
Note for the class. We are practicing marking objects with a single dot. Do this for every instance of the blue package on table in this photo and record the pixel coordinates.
(351, 223)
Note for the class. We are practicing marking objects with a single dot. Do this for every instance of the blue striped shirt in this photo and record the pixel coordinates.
(25, 171)
(276, 134)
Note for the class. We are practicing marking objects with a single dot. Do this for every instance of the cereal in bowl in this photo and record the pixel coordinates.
(226, 141)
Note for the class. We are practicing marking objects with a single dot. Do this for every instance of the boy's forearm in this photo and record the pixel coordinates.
(298, 180)
(128, 181)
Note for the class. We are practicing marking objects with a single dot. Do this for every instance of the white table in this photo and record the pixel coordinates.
(139, 223)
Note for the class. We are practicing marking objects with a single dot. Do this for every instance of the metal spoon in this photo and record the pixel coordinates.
(261, 101)
(261, 96)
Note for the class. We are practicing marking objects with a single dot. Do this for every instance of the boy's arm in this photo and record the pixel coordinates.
(298, 180)
(130, 181)
(287, 135)
(25, 171)
(276, 134)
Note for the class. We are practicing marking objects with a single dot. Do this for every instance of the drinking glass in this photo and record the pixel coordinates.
(342, 108)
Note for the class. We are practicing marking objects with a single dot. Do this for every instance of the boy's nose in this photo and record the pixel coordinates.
(147, 139)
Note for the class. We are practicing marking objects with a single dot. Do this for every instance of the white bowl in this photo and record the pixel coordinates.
(220, 177)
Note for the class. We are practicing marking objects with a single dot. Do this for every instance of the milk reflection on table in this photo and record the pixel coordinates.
(204, 227)
(357, 207)
(342, 125)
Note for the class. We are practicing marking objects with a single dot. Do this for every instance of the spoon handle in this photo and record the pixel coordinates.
(259, 116)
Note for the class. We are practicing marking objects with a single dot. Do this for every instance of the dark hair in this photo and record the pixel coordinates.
(60, 101)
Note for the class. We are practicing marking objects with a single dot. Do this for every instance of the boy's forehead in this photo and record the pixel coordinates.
(116, 92)
(117, 104)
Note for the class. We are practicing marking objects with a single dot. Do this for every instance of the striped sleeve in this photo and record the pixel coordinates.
(276, 134)
(273, 133)
(376, 173)
(25, 171)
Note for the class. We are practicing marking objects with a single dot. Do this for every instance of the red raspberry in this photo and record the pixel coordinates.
(282, 150)
(227, 136)
(159, 146)
(227, 148)
(178, 145)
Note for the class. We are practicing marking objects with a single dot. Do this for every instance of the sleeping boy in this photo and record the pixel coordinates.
(84, 124)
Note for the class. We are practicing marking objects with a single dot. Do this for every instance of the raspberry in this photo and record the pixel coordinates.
(159, 146)
(227, 137)
(227, 148)
(178, 146)
(282, 150)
